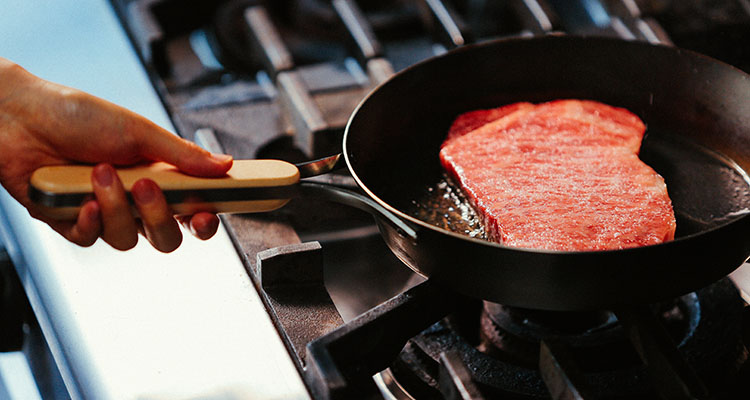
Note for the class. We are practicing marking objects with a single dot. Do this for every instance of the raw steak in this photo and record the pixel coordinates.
(563, 175)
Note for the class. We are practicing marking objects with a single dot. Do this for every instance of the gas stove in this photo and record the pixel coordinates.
(279, 79)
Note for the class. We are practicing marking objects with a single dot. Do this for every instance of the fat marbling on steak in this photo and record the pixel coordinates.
(562, 175)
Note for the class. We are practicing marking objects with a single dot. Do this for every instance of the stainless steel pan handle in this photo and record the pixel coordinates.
(356, 200)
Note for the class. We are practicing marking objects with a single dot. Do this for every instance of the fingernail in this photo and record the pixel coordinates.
(144, 191)
(221, 157)
(104, 174)
(207, 231)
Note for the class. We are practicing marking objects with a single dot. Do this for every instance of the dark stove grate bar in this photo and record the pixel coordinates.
(455, 379)
(343, 361)
(536, 16)
(292, 280)
(560, 372)
(367, 49)
(313, 134)
(267, 42)
(360, 34)
(147, 34)
(447, 25)
(672, 375)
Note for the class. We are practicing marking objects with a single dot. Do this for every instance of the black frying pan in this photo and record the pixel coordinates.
(697, 111)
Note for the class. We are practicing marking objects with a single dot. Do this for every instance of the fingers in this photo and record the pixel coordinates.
(119, 228)
(88, 225)
(121, 136)
(83, 231)
(110, 218)
(159, 226)
(202, 225)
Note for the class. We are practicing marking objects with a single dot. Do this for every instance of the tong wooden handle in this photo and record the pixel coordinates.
(249, 186)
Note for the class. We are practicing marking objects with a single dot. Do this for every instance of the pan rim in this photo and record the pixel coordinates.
(483, 242)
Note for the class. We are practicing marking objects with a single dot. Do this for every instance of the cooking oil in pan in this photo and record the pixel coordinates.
(707, 189)
(445, 206)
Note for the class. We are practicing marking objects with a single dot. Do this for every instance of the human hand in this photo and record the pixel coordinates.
(43, 123)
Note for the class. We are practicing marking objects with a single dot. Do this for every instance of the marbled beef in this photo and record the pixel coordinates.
(563, 175)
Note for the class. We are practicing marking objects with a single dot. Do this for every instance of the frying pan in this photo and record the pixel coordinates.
(697, 112)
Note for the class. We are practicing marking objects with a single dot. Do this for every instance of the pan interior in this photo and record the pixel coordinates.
(694, 109)
(707, 190)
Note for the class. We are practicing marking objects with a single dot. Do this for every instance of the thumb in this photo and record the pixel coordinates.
(161, 145)
(194, 160)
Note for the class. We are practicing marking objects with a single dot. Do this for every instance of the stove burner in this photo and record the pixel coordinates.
(514, 335)
(500, 345)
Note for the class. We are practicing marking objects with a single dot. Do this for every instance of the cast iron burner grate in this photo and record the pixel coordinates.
(501, 346)
(501, 352)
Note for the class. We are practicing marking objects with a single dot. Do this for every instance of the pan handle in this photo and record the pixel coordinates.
(356, 200)
(250, 186)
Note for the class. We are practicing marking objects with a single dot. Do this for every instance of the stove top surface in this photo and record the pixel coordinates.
(279, 80)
